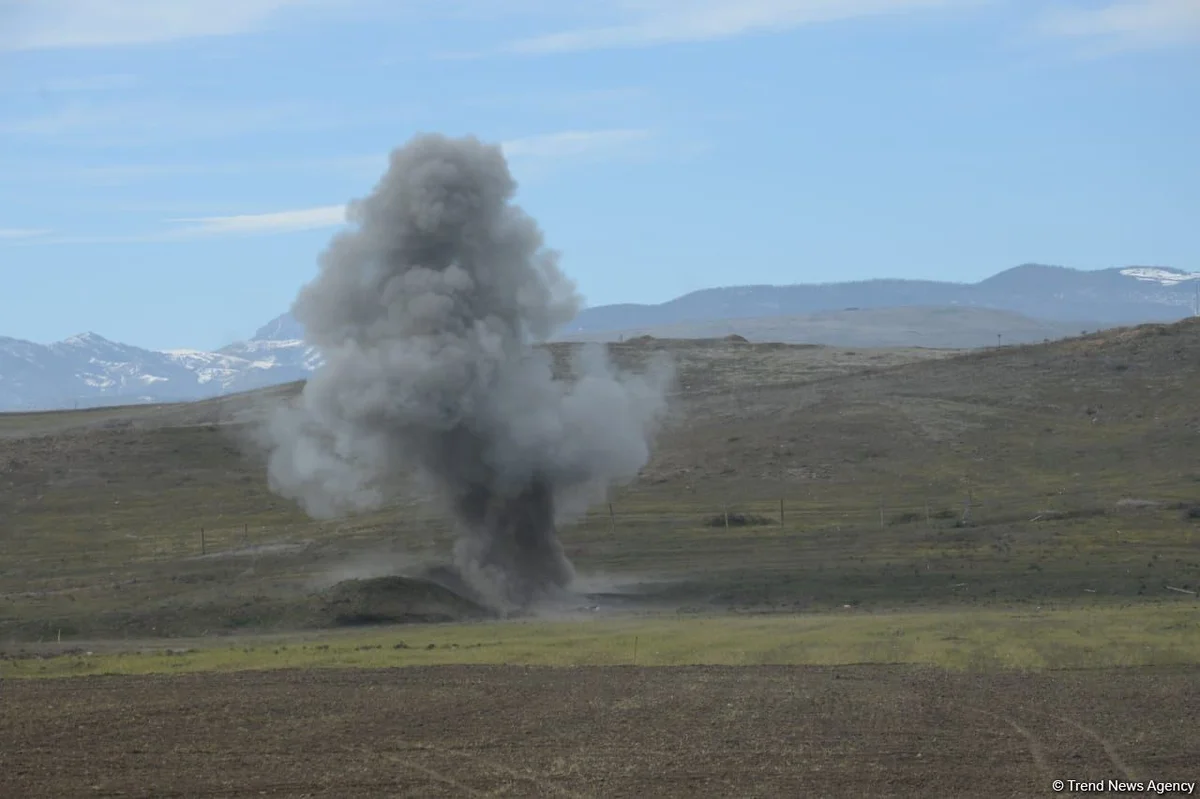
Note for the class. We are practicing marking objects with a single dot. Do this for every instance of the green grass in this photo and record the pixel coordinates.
(1076, 637)
(100, 526)
(121, 583)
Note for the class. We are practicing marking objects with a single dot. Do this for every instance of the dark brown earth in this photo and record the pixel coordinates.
(604, 732)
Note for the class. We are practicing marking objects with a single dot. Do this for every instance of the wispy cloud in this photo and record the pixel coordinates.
(71, 84)
(573, 143)
(207, 227)
(132, 123)
(530, 154)
(546, 148)
(15, 233)
(598, 103)
(125, 174)
(643, 23)
(1131, 24)
(88, 83)
(57, 24)
(275, 222)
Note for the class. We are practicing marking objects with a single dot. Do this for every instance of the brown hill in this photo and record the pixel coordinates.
(157, 518)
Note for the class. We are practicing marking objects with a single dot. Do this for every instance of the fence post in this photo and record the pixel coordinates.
(612, 519)
(881, 513)
(928, 521)
(781, 511)
(202, 545)
(727, 518)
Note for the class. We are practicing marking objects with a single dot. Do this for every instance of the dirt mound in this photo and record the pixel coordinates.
(736, 339)
(398, 600)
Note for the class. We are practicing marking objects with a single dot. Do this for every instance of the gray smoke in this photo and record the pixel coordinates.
(426, 311)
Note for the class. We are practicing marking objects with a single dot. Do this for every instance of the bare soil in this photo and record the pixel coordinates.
(604, 731)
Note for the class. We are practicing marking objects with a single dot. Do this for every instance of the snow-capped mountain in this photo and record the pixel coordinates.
(1163, 277)
(91, 370)
(88, 370)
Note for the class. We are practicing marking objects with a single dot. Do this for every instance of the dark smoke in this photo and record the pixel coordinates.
(426, 312)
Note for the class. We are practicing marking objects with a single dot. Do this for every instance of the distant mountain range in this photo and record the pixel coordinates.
(1110, 297)
(89, 370)
(1023, 304)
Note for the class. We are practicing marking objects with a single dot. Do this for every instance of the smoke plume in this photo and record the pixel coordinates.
(426, 311)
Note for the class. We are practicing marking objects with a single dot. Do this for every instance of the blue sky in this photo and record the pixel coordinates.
(169, 172)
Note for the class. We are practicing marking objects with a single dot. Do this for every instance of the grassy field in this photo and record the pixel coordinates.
(1098, 637)
(910, 480)
(952, 573)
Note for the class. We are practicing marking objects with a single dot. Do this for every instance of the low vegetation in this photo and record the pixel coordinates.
(887, 480)
(1097, 636)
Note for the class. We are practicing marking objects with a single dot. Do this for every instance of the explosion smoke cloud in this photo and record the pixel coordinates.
(426, 312)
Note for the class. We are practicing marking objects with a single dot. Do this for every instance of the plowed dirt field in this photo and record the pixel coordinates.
(458, 731)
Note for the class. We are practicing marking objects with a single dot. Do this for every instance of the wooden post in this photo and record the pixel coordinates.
(928, 521)
(612, 519)
(202, 546)
(881, 513)
(727, 518)
(635, 643)
(781, 511)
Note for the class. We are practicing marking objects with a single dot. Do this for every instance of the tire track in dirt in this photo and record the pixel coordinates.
(1036, 751)
(498, 768)
(438, 776)
(1109, 748)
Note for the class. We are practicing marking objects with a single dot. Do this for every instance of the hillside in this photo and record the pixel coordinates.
(1025, 473)
(1026, 304)
(945, 327)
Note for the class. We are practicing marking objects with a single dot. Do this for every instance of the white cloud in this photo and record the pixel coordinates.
(547, 148)
(275, 222)
(642, 23)
(140, 122)
(12, 233)
(88, 83)
(531, 152)
(573, 143)
(1131, 24)
(57, 24)
(71, 84)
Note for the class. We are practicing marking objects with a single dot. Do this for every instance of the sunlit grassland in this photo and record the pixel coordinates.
(1070, 637)
(1027, 476)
